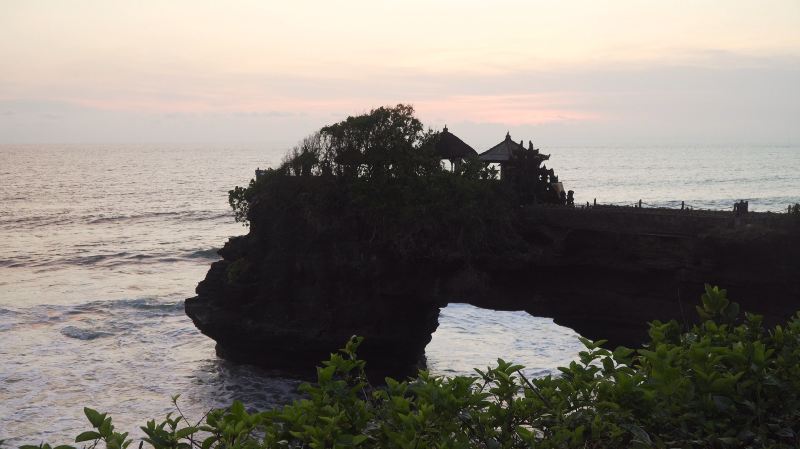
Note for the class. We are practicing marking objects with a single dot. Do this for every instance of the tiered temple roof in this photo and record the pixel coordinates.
(505, 151)
(502, 152)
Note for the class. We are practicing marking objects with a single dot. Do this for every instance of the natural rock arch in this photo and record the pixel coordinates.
(587, 272)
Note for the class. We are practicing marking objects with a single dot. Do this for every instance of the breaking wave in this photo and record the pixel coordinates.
(111, 260)
(68, 217)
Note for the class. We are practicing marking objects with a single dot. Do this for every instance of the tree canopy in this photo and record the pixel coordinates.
(388, 141)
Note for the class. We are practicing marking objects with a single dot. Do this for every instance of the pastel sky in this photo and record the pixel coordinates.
(558, 72)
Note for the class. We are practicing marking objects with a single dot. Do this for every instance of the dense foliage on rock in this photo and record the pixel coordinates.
(725, 382)
(378, 176)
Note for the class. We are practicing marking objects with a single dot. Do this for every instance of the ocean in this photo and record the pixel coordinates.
(100, 245)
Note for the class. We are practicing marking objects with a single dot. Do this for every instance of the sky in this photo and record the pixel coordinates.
(627, 72)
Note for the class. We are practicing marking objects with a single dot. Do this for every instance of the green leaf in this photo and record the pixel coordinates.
(208, 442)
(185, 432)
(589, 344)
(106, 427)
(324, 375)
(608, 364)
(87, 436)
(622, 353)
(94, 416)
(237, 408)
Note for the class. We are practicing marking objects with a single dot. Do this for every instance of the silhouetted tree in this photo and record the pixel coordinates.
(388, 141)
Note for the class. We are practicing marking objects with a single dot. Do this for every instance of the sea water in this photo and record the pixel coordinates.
(100, 245)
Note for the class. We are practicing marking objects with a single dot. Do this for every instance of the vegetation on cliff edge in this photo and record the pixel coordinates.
(726, 382)
(376, 180)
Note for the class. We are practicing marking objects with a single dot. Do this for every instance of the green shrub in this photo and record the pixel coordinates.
(725, 382)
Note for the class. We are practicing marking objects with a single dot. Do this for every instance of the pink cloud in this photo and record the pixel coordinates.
(521, 109)
(509, 109)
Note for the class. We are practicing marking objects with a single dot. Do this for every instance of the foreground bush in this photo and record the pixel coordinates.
(726, 382)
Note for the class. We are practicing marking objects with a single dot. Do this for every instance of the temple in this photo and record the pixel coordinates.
(518, 166)
(506, 151)
(451, 148)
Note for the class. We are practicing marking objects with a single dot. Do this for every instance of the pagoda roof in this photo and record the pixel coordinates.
(451, 147)
(502, 152)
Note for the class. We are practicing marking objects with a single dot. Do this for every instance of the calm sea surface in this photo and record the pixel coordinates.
(99, 245)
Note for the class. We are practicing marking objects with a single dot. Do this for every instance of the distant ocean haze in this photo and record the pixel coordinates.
(99, 245)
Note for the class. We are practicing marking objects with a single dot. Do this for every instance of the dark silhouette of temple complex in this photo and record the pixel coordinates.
(510, 162)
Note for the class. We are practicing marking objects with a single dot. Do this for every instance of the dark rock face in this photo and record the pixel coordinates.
(602, 272)
(290, 313)
(611, 270)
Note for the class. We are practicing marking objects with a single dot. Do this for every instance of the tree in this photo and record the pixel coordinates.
(387, 141)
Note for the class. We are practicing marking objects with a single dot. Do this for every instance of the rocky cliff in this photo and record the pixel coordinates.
(294, 289)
